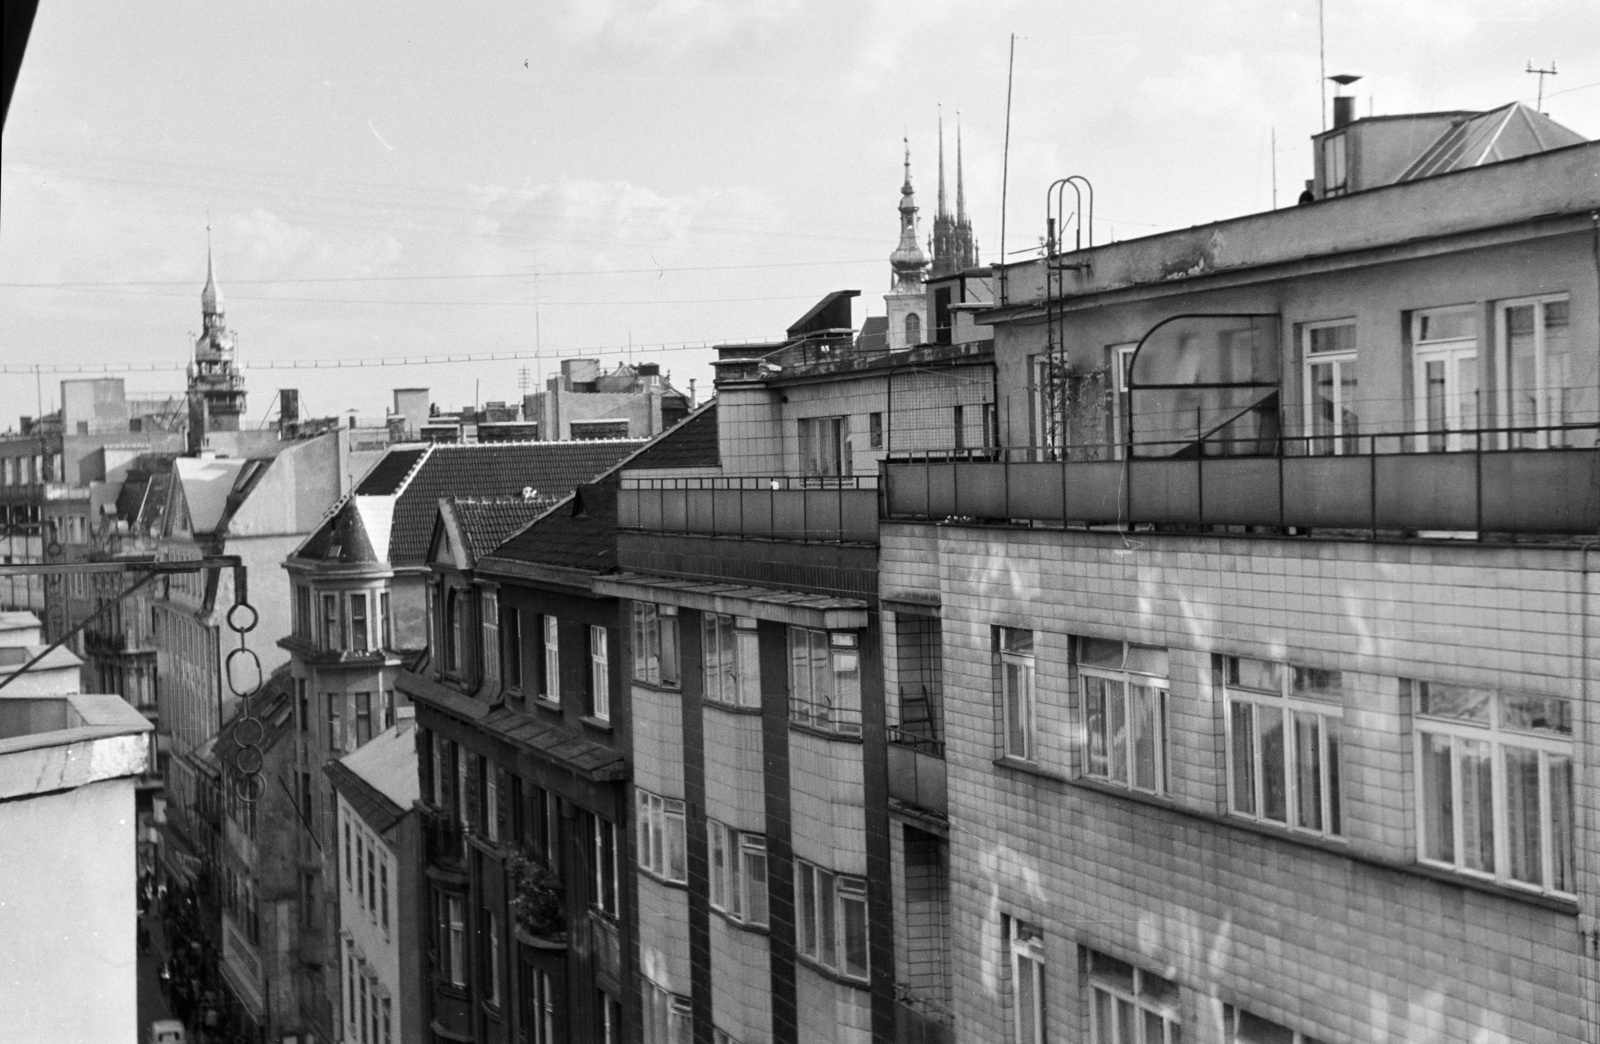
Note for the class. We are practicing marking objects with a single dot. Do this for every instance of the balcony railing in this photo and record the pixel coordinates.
(822, 714)
(819, 509)
(917, 772)
(1396, 482)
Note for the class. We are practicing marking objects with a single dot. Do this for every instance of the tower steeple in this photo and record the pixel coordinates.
(908, 261)
(211, 297)
(943, 209)
(961, 195)
(216, 388)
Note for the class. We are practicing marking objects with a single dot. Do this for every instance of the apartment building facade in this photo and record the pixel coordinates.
(1267, 632)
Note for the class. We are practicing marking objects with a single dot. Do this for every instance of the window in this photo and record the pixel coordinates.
(730, 653)
(372, 878)
(824, 446)
(455, 637)
(913, 326)
(1445, 344)
(491, 959)
(1124, 692)
(387, 700)
(831, 911)
(1015, 650)
(302, 700)
(386, 635)
(655, 643)
(455, 958)
(1284, 743)
(1130, 1005)
(662, 848)
(1241, 1027)
(538, 1005)
(302, 611)
(363, 717)
(336, 721)
(491, 801)
(383, 904)
(1335, 177)
(605, 866)
(738, 873)
(1330, 360)
(1537, 361)
(307, 805)
(332, 636)
(1026, 944)
(1495, 784)
(511, 648)
(875, 430)
(667, 1017)
(388, 1022)
(599, 674)
(941, 315)
(610, 1011)
(552, 659)
(359, 636)
(825, 680)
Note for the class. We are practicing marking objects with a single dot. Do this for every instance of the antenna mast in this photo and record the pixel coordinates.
(1541, 73)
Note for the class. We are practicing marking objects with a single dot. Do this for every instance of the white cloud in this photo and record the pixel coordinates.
(673, 26)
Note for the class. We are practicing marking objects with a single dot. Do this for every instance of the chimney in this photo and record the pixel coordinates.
(288, 408)
(1344, 110)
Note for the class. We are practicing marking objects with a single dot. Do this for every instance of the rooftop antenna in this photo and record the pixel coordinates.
(1541, 73)
(1322, 63)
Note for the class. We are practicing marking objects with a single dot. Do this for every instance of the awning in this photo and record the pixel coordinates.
(824, 612)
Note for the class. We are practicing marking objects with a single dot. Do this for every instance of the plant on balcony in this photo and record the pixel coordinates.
(537, 898)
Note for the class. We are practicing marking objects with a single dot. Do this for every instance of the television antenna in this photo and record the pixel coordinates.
(1541, 73)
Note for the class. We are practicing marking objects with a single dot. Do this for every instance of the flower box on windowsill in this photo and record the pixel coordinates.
(551, 941)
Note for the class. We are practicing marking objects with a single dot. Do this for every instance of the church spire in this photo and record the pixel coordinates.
(210, 297)
(961, 195)
(943, 209)
(908, 261)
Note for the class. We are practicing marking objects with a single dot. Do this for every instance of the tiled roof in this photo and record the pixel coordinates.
(387, 475)
(874, 334)
(691, 444)
(578, 534)
(493, 469)
(486, 521)
(271, 706)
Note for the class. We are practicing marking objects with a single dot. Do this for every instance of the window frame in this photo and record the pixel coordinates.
(1025, 952)
(1337, 441)
(663, 837)
(1329, 755)
(824, 444)
(606, 871)
(360, 623)
(1543, 389)
(839, 711)
(737, 891)
(1021, 705)
(511, 647)
(657, 654)
(332, 624)
(1449, 352)
(1135, 995)
(1498, 736)
(552, 659)
(1127, 678)
(730, 659)
(820, 922)
(599, 673)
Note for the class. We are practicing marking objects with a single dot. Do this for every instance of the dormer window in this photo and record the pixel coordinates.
(1335, 177)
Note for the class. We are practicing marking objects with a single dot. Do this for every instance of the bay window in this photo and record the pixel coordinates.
(1123, 691)
(1284, 741)
(825, 680)
(738, 862)
(662, 847)
(667, 1017)
(1495, 785)
(732, 660)
(831, 916)
(655, 643)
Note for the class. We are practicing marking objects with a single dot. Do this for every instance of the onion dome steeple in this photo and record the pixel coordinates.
(908, 262)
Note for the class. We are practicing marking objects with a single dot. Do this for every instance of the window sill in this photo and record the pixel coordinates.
(731, 708)
(1333, 846)
(545, 703)
(603, 724)
(743, 926)
(818, 730)
(665, 882)
(658, 686)
(828, 973)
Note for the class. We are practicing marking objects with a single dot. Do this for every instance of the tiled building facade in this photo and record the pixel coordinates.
(1268, 638)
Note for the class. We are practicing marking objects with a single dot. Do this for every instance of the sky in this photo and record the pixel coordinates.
(615, 179)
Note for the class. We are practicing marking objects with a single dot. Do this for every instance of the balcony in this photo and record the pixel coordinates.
(825, 715)
(829, 509)
(1379, 488)
(917, 772)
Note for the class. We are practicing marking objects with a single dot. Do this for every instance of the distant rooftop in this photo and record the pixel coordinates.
(52, 743)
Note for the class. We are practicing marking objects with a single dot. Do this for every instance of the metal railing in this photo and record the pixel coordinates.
(825, 715)
(1461, 480)
(814, 509)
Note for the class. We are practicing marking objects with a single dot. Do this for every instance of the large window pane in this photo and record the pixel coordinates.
(853, 917)
(1438, 807)
(828, 947)
(1117, 729)
(1144, 719)
(1244, 761)
(1094, 711)
(1274, 777)
(1523, 821)
(1477, 805)
(1559, 770)
(1308, 770)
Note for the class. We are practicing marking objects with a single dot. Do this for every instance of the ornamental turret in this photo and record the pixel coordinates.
(216, 389)
(908, 263)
